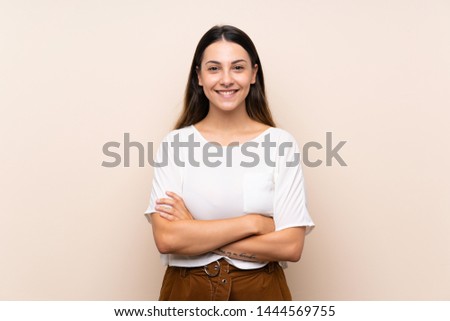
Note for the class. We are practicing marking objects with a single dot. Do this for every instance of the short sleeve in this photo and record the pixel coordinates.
(290, 208)
(167, 175)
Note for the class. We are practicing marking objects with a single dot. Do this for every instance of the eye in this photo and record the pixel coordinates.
(213, 68)
(239, 67)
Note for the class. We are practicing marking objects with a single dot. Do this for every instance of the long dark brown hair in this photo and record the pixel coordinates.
(196, 104)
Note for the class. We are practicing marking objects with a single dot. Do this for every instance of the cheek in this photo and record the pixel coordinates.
(209, 81)
(245, 80)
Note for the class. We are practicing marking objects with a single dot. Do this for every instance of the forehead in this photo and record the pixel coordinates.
(225, 51)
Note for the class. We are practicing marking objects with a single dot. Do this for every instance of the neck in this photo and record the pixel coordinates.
(230, 121)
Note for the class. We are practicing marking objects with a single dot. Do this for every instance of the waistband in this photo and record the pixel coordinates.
(213, 269)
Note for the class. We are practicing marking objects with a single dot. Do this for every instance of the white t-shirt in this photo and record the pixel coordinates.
(219, 182)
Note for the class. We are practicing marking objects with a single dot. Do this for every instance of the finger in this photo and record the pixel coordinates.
(174, 195)
(178, 203)
(165, 209)
(175, 214)
(166, 216)
(167, 201)
(181, 210)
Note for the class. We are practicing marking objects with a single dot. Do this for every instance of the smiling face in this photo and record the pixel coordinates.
(226, 74)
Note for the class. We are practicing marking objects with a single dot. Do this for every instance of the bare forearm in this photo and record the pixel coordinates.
(194, 237)
(284, 245)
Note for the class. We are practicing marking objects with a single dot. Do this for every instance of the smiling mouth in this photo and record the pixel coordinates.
(227, 93)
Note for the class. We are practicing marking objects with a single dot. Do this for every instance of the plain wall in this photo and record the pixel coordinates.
(75, 75)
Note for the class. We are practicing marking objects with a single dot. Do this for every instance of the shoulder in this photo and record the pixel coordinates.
(282, 135)
(180, 134)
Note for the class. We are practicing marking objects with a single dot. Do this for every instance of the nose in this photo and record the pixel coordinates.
(227, 79)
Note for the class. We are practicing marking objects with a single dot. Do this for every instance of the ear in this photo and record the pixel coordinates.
(199, 77)
(254, 73)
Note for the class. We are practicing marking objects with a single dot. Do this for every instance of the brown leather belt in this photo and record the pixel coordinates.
(213, 269)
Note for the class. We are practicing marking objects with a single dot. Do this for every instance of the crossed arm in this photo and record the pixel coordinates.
(250, 237)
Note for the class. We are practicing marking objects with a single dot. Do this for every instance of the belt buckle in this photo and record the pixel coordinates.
(216, 268)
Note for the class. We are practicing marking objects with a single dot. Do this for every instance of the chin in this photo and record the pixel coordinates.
(227, 107)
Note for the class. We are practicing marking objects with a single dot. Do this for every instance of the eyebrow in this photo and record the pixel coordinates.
(218, 63)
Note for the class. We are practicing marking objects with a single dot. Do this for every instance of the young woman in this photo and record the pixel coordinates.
(227, 206)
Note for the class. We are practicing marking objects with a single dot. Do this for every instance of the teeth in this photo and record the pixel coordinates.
(227, 92)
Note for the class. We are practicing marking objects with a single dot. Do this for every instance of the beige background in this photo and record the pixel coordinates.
(77, 74)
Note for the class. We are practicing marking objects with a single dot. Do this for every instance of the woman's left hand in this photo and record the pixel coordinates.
(173, 208)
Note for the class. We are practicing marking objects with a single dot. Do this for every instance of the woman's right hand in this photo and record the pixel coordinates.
(173, 208)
